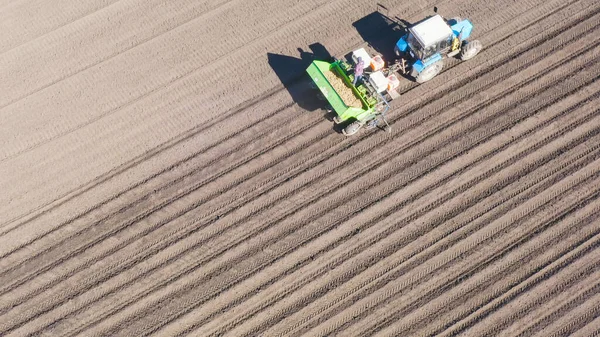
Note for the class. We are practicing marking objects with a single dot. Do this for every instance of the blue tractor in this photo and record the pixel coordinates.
(427, 42)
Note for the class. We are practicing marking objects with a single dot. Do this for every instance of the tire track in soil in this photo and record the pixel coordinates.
(66, 246)
(570, 16)
(273, 38)
(575, 326)
(546, 290)
(150, 155)
(500, 290)
(479, 290)
(140, 34)
(121, 242)
(575, 299)
(575, 320)
(589, 330)
(282, 136)
(266, 290)
(462, 230)
(63, 15)
(377, 315)
(538, 276)
(530, 316)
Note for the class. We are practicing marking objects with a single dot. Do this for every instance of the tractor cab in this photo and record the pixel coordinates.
(427, 42)
(429, 37)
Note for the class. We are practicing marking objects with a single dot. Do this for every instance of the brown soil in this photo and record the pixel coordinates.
(158, 178)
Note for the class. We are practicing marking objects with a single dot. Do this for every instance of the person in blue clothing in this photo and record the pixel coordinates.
(358, 71)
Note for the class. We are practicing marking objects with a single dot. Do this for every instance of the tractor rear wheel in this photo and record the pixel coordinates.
(470, 49)
(352, 128)
(430, 71)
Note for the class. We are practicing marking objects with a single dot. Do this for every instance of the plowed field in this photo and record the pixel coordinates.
(165, 169)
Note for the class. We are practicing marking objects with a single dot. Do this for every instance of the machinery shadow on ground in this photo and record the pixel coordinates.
(381, 31)
(292, 74)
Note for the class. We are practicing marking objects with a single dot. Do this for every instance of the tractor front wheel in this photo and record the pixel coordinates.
(470, 49)
(430, 71)
(352, 128)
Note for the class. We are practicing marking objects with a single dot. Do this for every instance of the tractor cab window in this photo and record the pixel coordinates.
(429, 51)
(415, 46)
(445, 44)
(419, 51)
(413, 43)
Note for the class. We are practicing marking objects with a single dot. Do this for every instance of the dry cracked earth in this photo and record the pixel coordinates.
(166, 170)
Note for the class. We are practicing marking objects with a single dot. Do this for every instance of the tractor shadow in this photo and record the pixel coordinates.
(381, 31)
(292, 74)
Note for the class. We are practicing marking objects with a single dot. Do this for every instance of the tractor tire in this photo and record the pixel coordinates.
(352, 128)
(429, 72)
(470, 49)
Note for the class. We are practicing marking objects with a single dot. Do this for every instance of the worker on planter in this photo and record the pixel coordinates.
(358, 71)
